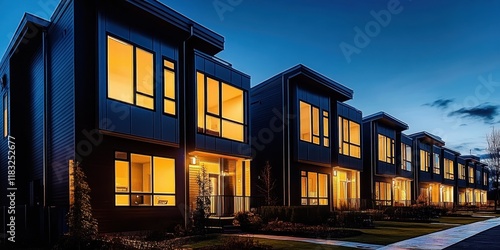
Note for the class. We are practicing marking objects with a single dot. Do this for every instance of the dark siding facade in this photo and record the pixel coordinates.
(348, 112)
(61, 118)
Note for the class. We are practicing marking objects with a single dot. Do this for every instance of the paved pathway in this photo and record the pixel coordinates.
(317, 241)
(445, 238)
(470, 236)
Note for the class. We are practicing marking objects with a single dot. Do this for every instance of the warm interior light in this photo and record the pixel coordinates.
(334, 172)
(194, 160)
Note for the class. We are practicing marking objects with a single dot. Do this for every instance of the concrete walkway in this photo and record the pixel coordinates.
(317, 241)
(436, 240)
(445, 238)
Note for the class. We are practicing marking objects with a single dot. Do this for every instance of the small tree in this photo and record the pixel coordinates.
(82, 225)
(267, 184)
(202, 211)
(493, 161)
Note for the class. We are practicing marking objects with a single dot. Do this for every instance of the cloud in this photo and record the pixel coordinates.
(485, 111)
(440, 103)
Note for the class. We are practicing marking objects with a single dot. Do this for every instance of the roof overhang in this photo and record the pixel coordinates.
(428, 138)
(387, 119)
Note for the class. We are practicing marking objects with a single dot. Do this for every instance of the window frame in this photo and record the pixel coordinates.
(317, 198)
(436, 159)
(406, 159)
(135, 92)
(165, 98)
(348, 141)
(129, 192)
(315, 138)
(449, 171)
(387, 192)
(425, 163)
(5, 114)
(219, 115)
(461, 171)
(471, 174)
(389, 149)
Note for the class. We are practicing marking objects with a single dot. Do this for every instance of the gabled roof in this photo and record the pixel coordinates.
(343, 93)
(428, 137)
(21, 33)
(175, 18)
(386, 119)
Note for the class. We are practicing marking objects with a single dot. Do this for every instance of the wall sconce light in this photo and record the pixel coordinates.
(193, 160)
(224, 173)
(334, 172)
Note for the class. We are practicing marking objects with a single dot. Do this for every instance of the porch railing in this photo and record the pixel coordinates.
(228, 205)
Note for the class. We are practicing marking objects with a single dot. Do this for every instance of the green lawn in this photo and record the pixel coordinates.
(387, 232)
(276, 244)
(384, 233)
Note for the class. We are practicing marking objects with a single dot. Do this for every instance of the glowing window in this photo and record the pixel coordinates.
(326, 127)
(461, 171)
(125, 61)
(436, 166)
(385, 149)
(5, 116)
(349, 138)
(144, 180)
(448, 169)
(221, 109)
(405, 157)
(424, 160)
(169, 104)
(314, 188)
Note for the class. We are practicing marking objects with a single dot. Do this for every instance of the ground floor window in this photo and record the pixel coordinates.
(144, 180)
(447, 193)
(345, 189)
(383, 194)
(402, 192)
(314, 188)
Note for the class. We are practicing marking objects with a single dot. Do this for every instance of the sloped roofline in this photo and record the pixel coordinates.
(344, 92)
(436, 139)
(384, 116)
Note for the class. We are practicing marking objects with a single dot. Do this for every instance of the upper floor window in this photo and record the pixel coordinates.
(349, 138)
(314, 188)
(143, 180)
(437, 167)
(130, 74)
(448, 169)
(169, 106)
(471, 174)
(461, 171)
(485, 179)
(405, 157)
(385, 149)
(5, 116)
(478, 176)
(310, 124)
(424, 160)
(221, 109)
(326, 133)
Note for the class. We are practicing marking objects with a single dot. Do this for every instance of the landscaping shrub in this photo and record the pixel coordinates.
(414, 213)
(297, 214)
(248, 221)
(240, 243)
(302, 230)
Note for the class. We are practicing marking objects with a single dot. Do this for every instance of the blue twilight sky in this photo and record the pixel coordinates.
(432, 64)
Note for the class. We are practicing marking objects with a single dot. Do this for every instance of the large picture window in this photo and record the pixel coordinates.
(383, 195)
(309, 123)
(448, 169)
(349, 138)
(130, 74)
(221, 109)
(424, 160)
(314, 188)
(143, 180)
(169, 98)
(385, 149)
(405, 157)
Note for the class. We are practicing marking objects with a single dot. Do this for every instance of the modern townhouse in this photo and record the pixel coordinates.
(388, 172)
(472, 190)
(132, 90)
(309, 137)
